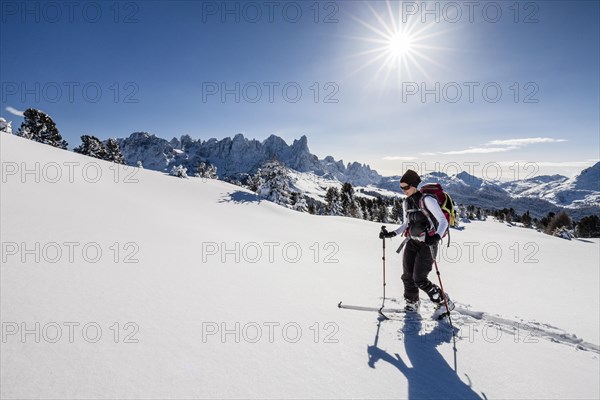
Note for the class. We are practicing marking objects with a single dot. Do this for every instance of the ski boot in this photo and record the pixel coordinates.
(412, 306)
(440, 307)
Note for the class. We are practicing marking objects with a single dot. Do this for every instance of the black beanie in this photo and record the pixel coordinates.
(411, 177)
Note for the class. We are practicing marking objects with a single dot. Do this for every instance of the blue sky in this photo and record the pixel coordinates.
(163, 67)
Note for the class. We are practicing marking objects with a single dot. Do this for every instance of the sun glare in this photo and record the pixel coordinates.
(400, 45)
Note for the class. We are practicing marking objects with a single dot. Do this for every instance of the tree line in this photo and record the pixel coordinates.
(555, 224)
(39, 127)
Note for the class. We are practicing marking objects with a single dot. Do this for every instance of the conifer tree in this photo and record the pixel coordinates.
(526, 220)
(254, 182)
(558, 221)
(332, 199)
(348, 201)
(179, 171)
(207, 171)
(397, 211)
(91, 146)
(113, 152)
(274, 186)
(589, 227)
(39, 127)
(5, 126)
(381, 211)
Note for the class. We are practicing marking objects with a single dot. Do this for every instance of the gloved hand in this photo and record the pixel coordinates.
(432, 240)
(385, 234)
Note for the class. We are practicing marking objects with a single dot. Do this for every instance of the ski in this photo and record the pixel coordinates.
(378, 309)
(404, 316)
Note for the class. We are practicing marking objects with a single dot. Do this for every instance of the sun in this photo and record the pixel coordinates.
(398, 45)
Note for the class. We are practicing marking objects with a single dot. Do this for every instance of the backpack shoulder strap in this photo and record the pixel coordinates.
(425, 211)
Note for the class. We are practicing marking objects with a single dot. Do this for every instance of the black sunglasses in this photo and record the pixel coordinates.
(405, 188)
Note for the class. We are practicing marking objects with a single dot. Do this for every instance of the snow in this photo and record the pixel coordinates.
(179, 290)
(579, 191)
(310, 184)
(235, 157)
(5, 126)
(315, 186)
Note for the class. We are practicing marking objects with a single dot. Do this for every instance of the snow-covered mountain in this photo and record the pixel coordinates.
(202, 290)
(531, 195)
(580, 191)
(238, 156)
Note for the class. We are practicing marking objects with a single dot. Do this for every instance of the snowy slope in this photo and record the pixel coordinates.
(180, 291)
(579, 191)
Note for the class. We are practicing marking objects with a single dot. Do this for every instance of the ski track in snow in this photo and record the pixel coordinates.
(464, 319)
(534, 329)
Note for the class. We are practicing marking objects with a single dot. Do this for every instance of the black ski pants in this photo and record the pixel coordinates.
(416, 264)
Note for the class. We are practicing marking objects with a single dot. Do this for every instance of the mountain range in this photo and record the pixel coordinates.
(238, 156)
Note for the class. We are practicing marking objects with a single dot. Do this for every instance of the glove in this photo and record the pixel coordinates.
(432, 240)
(385, 234)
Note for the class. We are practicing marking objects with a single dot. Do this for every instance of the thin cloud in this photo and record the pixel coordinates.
(511, 144)
(480, 150)
(566, 163)
(524, 141)
(14, 111)
(527, 164)
(400, 158)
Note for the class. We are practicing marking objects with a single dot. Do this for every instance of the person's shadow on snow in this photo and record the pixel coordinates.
(430, 375)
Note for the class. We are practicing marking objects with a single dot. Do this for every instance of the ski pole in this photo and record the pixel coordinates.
(383, 259)
(437, 271)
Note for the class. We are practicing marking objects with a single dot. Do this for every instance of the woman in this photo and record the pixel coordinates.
(422, 237)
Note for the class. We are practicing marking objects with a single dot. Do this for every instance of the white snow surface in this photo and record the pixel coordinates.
(528, 319)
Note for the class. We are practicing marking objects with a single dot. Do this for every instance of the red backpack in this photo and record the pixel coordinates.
(444, 200)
